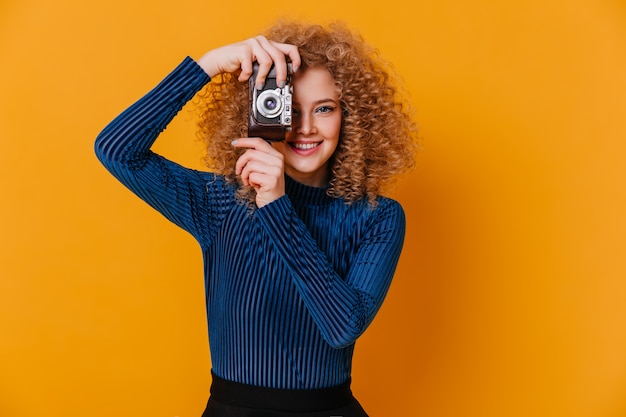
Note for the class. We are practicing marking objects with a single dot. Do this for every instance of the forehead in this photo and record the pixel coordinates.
(314, 84)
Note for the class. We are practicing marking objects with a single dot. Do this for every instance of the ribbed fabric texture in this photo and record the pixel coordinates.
(290, 286)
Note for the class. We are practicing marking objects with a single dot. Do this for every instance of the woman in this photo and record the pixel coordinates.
(299, 247)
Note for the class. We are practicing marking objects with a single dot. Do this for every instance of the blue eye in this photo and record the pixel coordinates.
(325, 109)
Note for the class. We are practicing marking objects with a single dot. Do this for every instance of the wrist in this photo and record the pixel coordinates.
(263, 200)
(208, 64)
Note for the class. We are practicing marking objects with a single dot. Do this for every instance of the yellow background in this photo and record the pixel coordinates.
(510, 297)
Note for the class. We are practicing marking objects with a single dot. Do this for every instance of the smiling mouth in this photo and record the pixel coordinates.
(304, 146)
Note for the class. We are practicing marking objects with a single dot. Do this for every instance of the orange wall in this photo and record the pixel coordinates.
(510, 298)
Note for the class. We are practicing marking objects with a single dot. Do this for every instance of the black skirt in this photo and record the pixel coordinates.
(232, 399)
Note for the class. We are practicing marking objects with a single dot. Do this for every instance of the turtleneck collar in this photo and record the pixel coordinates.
(305, 194)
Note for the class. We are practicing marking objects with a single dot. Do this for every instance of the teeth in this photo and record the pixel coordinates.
(304, 146)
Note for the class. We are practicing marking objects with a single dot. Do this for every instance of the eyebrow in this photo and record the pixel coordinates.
(324, 100)
(321, 101)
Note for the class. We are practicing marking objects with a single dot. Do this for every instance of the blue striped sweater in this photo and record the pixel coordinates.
(290, 286)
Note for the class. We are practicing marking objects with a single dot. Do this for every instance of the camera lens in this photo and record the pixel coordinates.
(269, 103)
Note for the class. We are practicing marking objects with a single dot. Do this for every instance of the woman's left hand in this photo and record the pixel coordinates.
(261, 167)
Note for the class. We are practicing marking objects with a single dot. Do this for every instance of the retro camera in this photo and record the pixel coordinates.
(270, 108)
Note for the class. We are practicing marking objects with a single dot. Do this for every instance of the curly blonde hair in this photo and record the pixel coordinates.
(378, 136)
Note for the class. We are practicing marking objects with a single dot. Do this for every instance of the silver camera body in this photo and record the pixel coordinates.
(270, 108)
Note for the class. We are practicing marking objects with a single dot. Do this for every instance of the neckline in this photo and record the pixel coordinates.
(306, 194)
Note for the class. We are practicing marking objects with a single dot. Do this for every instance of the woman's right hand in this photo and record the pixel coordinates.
(238, 57)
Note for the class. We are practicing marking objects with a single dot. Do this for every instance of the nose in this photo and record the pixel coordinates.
(305, 125)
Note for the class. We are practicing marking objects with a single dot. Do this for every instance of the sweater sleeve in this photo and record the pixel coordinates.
(342, 307)
(123, 147)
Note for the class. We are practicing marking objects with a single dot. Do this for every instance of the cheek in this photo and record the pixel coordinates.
(336, 131)
(279, 146)
(333, 128)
